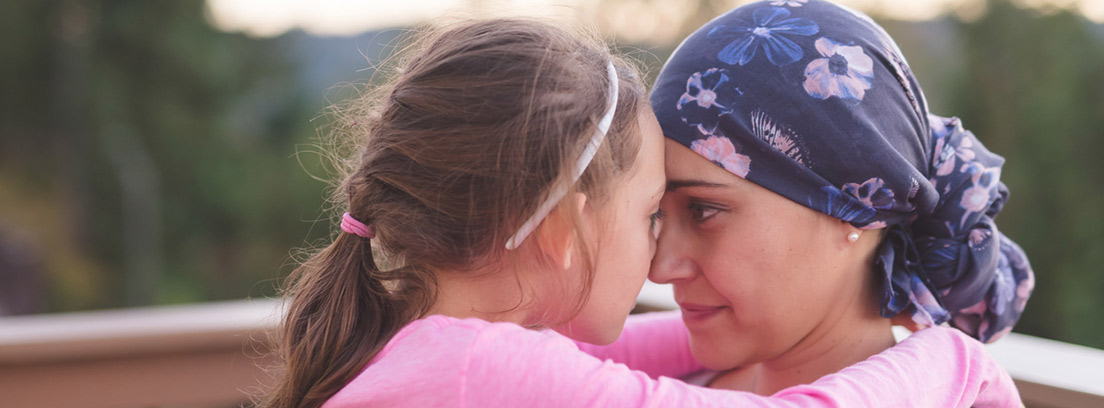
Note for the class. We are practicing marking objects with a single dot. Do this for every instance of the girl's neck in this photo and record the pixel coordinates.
(829, 348)
(482, 296)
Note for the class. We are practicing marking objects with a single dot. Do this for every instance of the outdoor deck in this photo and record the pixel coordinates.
(213, 354)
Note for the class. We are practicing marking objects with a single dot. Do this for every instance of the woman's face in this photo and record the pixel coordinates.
(757, 275)
(626, 241)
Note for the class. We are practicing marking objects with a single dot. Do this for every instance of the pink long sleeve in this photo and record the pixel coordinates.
(659, 345)
(936, 367)
(442, 361)
(656, 343)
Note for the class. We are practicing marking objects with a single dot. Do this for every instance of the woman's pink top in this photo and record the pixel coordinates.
(442, 361)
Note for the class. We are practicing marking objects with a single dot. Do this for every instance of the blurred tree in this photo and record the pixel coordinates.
(176, 181)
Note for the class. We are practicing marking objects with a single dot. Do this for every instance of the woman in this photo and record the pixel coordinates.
(811, 198)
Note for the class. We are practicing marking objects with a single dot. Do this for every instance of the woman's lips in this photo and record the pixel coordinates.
(696, 313)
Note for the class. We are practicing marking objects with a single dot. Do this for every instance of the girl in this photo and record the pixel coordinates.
(509, 179)
(812, 197)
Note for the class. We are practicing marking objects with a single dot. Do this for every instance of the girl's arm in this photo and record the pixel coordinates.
(934, 367)
(656, 343)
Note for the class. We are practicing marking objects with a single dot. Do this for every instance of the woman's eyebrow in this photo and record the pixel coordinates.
(673, 185)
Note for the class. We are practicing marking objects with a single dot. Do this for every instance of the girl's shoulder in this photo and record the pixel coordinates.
(439, 353)
(446, 330)
(436, 338)
(432, 360)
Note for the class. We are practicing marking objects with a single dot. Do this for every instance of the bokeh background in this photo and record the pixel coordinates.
(156, 152)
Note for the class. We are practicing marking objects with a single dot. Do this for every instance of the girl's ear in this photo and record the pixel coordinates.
(556, 234)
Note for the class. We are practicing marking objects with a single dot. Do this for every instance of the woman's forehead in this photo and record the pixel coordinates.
(685, 167)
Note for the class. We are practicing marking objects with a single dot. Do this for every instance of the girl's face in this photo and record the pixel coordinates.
(757, 276)
(626, 241)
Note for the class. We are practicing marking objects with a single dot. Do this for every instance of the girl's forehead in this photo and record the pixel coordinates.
(648, 170)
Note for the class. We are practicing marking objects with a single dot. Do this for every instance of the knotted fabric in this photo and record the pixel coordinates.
(815, 102)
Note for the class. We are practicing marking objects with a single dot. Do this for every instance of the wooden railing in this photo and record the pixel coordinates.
(214, 355)
(205, 355)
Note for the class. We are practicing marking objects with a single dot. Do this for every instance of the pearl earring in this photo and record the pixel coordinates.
(852, 237)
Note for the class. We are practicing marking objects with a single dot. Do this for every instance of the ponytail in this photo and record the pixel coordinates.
(340, 315)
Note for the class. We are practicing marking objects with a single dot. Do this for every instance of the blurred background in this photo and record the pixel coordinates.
(164, 152)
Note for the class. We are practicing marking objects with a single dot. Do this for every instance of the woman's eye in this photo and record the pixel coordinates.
(699, 212)
(657, 222)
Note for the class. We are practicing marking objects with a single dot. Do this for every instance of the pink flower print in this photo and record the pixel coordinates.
(871, 192)
(966, 318)
(845, 71)
(944, 157)
(927, 311)
(1023, 291)
(978, 236)
(964, 151)
(874, 225)
(719, 150)
(978, 196)
(706, 98)
(922, 318)
(975, 198)
(977, 309)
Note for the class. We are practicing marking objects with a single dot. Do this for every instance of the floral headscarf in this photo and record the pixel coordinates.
(814, 102)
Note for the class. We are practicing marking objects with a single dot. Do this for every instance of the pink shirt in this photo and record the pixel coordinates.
(442, 361)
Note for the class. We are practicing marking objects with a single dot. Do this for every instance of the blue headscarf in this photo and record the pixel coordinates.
(814, 102)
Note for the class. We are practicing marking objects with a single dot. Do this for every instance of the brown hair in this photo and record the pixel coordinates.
(462, 146)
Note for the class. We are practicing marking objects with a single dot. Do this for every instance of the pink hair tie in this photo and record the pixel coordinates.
(352, 226)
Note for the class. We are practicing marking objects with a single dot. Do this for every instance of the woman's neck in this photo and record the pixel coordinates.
(832, 346)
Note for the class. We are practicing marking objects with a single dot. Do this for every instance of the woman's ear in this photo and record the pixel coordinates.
(556, 235)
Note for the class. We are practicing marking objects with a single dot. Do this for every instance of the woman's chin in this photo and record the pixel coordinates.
(716, 357)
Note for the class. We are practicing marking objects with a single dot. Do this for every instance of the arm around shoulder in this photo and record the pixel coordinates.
(510, 366)
(935, 367)
(656, 343)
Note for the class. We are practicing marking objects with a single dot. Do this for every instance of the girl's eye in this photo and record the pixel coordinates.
(700, 213)
(656, 218)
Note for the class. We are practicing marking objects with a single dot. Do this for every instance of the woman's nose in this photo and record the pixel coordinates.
(672, 261)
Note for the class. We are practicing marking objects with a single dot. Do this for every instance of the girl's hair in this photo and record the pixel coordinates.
(459, 149)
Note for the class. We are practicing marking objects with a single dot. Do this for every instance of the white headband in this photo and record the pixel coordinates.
(584, 160)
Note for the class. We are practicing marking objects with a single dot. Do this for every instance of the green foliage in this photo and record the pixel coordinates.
(178, 180)
(1032, 88)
